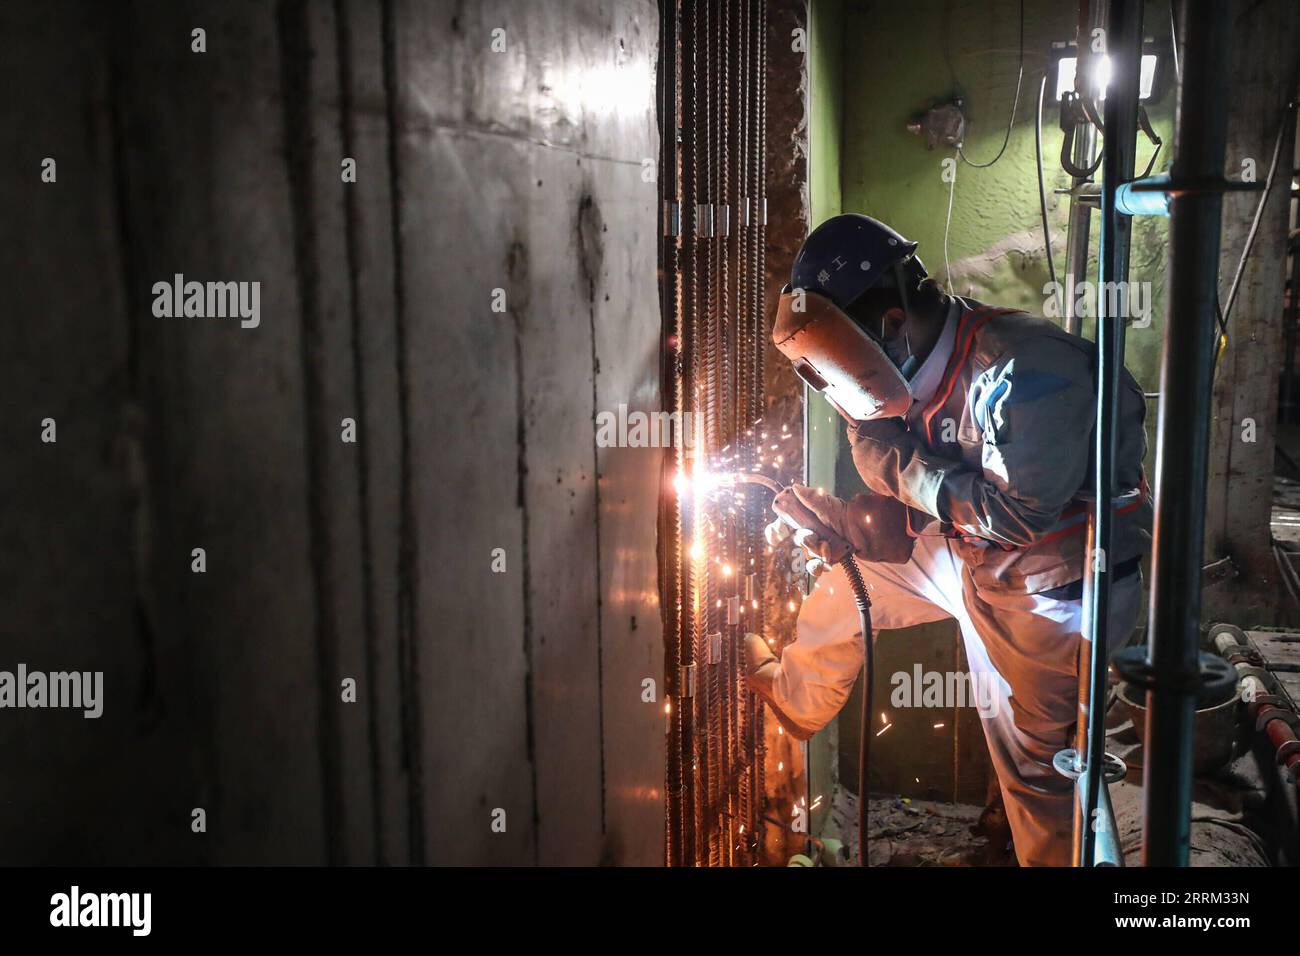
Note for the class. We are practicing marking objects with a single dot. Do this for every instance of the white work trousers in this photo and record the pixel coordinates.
(1024, 647)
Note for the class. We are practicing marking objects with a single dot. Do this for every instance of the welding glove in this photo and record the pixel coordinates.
(874, 525)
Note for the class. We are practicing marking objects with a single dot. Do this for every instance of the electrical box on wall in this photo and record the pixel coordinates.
(943, 124)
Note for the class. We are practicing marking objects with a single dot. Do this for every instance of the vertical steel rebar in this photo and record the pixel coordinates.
(687, 344)
(711, 294)
(744, 725)
(759, 272)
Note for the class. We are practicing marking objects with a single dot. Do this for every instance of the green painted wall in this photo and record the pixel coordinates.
(907, 56)
(822, 435)
(826, 107)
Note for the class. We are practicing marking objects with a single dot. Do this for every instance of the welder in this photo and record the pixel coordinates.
(972, 430)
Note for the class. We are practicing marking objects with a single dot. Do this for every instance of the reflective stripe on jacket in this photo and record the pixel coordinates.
(1000, 457)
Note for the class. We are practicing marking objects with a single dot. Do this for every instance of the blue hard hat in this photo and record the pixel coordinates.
(847, 255)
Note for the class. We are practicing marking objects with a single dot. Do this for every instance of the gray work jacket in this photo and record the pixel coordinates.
(1000, 457)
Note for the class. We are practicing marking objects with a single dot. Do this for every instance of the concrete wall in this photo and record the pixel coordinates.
(477, 171)
(1239, 495)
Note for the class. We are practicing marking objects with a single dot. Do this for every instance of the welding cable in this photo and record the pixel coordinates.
(1042, 194)
(1015, 102)
(862, 600)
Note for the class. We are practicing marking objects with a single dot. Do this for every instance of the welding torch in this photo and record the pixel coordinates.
(835, 550)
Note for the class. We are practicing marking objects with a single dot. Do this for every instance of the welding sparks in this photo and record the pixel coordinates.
(883, 729)
(715, 504)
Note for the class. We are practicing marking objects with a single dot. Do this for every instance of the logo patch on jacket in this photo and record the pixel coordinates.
(989, 394)
(995, 389)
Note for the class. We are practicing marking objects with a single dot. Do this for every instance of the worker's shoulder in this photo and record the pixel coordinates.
(1016, 334)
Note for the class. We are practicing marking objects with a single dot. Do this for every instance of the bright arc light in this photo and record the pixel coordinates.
(699, 484)
(1070, 65)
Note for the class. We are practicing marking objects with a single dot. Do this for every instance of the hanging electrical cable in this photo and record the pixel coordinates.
(1042, 194)
(947, 227)
(1173, 42)
(1015, 102)
(1222, 312)
(1287, 114)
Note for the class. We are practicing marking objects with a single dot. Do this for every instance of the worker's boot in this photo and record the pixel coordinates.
(761, 672)
(994, 826)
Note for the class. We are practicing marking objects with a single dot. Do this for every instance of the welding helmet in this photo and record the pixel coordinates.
(849, 254)
(834, 356)
(843, 258)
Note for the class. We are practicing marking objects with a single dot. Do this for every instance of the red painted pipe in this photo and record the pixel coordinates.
(1278, 730)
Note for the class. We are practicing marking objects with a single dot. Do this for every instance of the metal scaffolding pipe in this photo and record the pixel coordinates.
(1117, 167)
(1186, 378)
(1083, 152)
(1125, 45)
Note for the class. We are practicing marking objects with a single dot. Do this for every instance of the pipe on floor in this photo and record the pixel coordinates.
(1268, 712)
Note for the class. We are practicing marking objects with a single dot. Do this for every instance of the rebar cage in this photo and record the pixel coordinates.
(712, 105)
